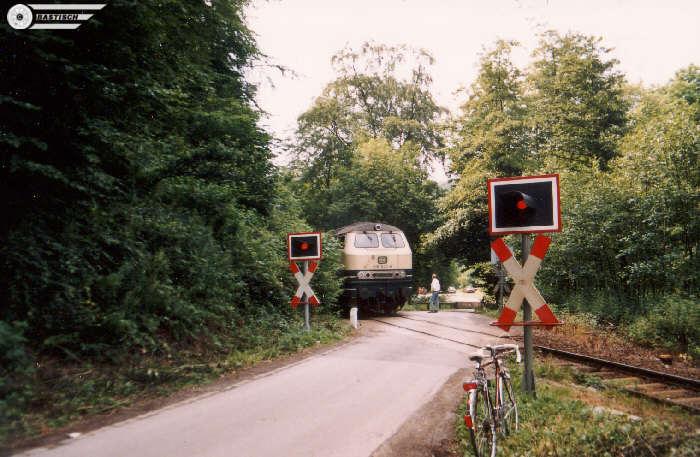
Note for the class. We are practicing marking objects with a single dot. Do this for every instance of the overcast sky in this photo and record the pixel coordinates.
(652, 39)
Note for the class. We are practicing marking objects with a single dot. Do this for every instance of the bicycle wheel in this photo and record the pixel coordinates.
(482, 433)
(509, 407)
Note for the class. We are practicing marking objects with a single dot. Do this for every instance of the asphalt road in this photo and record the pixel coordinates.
(344, 402)
(469, 299)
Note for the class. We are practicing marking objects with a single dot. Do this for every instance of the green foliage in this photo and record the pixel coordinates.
(633, 230)
(627, 159)
(483, 274)
(491, 139)
(382, 92)
(566, 112)
(142, 213)
(577, 106)
(492, 126)
(669, 321)
(686, 86)
(16, 372)
(125, 220)
(464, 211)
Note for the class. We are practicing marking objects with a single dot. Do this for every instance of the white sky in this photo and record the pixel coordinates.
(652, 39)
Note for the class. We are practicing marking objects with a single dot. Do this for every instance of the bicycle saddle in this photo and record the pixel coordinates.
(477, 357)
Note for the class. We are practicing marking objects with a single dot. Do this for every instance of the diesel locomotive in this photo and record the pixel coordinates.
(378, 267)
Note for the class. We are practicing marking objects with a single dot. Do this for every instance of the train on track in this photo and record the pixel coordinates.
(377, 267)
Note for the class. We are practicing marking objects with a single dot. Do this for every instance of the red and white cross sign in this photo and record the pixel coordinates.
(304, 287)
(524, 287)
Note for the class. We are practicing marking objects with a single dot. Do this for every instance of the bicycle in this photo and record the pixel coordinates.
(486, 418)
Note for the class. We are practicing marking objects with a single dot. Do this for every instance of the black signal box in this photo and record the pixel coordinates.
(304, 246)
(524, 204)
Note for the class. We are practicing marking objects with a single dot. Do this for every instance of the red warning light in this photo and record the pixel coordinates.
(521, 205)
(304, 246)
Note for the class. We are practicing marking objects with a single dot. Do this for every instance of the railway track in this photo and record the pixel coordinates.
(500, 335)
(655, 385)
(424, 332)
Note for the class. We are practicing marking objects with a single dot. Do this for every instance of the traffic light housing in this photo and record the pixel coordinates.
(526, 204)
(304, 246)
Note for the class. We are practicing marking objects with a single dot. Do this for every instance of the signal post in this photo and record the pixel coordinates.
(524, 205)
(304, 247)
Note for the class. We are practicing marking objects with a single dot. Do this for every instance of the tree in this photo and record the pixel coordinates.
(686, 86)
(369, 99)
(632, 230)
(381, 184)
(492, 139)
(659, 165)
(577, 104)
(492, 125)
(134, 177)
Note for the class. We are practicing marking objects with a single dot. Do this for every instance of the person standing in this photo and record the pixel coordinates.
(434, 298)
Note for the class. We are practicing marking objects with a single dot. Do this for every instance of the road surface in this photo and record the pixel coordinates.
(344, 402)
(466, 299)
(458, 299)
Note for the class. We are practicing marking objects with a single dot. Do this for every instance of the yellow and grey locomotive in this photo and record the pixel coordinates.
(378, 266)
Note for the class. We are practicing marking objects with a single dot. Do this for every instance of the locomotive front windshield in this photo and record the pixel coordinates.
(392, 240)
(366, 240)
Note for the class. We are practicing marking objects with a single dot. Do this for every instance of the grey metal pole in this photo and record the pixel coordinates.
(528, 373)
(305, 299)
(501, 286)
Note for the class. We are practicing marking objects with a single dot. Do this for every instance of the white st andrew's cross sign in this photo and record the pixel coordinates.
(524, 286)
(304, 287)
(305, 247)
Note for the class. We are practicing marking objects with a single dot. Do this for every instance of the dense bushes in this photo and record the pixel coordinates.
(142, 215)
(669, 321)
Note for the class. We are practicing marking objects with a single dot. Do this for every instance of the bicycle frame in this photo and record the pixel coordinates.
(499, 410)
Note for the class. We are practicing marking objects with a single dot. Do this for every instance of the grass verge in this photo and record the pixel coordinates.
(574, 415)
(64, 394)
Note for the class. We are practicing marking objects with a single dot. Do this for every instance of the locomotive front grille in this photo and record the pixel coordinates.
(385, 274)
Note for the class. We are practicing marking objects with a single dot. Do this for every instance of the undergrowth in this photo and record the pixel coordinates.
(671, 322)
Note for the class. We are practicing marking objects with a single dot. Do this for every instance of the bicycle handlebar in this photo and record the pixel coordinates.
(495, 349)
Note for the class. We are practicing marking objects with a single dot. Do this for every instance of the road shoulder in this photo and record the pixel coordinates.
(430, 431)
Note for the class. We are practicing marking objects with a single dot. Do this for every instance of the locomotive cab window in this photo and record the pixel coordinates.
(392, 240)
(366, 240)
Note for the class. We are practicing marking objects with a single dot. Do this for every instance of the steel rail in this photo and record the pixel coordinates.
(695, 383)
